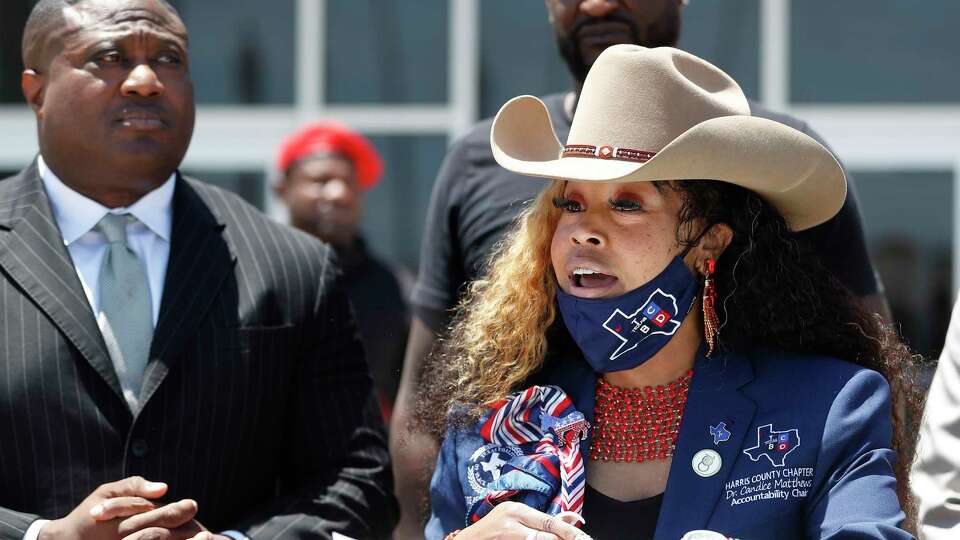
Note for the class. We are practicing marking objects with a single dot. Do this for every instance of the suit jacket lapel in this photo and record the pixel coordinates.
(577, 379)
(200, 260)
(33, 255)
(715, 396)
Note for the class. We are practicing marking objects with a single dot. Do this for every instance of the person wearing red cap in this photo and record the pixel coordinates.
(325, 170)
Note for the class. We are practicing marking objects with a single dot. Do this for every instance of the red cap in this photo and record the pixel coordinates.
(333, 138)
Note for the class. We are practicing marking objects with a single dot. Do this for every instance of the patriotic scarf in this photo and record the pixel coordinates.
(548, 475)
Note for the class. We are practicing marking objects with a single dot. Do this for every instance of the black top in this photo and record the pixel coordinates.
(378, 293)
(474, 201)
(609, 519)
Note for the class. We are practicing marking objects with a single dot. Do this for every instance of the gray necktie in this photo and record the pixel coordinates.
(126, 314)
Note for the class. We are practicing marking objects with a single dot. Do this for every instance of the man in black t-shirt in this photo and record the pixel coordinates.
(475, 201)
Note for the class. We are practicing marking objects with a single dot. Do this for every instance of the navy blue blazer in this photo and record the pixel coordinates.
(797, 446)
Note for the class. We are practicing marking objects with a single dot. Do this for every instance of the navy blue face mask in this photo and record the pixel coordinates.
(623, 332)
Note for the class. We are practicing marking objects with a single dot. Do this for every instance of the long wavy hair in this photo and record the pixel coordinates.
(498, 337)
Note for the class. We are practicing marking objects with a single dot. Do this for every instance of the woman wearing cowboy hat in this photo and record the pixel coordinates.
(652, 351)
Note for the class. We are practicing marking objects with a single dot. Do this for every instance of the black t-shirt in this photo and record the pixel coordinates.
(378, 294)
(475, 201)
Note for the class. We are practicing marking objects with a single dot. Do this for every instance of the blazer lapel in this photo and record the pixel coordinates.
(715, 396)
(200, 261)
(33, 255)
(567, 369)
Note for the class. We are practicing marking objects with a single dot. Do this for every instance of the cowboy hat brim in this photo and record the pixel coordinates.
(789, 169)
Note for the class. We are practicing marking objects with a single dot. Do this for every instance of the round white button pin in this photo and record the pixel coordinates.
(706, 463)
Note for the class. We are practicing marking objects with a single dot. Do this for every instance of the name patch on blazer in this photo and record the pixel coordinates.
(778, 484)
(774, 445)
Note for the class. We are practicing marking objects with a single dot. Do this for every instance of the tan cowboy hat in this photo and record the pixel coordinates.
(664, 114)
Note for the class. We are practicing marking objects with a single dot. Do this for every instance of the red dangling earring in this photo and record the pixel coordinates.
(711, 325)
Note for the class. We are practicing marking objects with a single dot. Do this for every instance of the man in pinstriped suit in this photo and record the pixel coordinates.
(155, 327)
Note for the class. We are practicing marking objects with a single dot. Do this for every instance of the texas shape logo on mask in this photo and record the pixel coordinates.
(642, 331)
(774, 445)
(656, 316)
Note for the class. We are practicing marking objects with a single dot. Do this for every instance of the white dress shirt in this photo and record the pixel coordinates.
(77, 215)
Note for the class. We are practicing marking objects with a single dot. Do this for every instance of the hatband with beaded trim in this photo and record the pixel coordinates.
(607, 152)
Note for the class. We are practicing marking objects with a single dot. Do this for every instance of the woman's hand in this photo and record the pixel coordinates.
(517, 521)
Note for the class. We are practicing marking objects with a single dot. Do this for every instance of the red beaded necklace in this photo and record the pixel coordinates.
(638, 424)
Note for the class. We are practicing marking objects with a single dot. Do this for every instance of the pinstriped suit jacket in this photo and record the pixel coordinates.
(256, 398)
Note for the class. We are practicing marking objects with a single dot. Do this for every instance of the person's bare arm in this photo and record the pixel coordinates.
(414, 452)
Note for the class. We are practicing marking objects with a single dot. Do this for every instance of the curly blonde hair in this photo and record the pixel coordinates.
(498, 335)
